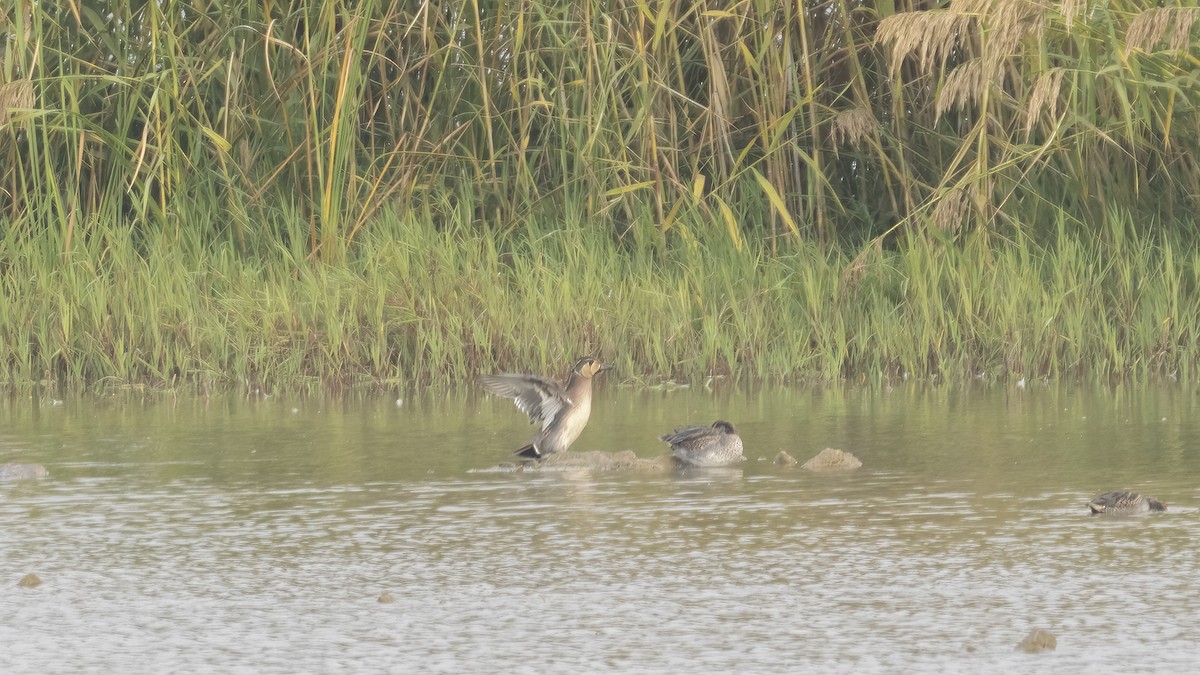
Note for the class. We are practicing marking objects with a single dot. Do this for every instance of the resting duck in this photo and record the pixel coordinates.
(1124, 502)
(718, 445)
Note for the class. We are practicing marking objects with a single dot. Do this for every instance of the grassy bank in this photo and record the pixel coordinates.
(417, 303)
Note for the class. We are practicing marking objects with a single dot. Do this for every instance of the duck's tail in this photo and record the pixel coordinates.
(528, 451)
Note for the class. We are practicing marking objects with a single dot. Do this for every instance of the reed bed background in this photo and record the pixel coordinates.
(311, 193)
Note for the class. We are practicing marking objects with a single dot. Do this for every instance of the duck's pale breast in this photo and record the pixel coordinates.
(570, 426)
(577, 419)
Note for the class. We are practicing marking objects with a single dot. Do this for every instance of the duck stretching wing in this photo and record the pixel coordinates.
(538, 397)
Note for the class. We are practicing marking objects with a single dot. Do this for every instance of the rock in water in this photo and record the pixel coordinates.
(784, 459)
(30, 580)
(1038, 641)
(22, 471)
(832, 459)
(596, 460)
(386, 598)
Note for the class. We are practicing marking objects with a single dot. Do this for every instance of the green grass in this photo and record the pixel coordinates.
(424, 300)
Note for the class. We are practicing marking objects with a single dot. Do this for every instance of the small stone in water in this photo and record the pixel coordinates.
(13, 471)
(784, 459)
(29, 581)
(387, 598)
(1038, 641)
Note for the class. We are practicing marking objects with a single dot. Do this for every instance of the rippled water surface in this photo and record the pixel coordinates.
(255, 536)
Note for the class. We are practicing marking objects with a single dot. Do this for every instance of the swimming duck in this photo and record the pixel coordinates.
(561, 410)
(1124, 502)
(717, 445)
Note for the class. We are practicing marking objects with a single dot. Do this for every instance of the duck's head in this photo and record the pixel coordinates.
(724, 427)
(589, 367)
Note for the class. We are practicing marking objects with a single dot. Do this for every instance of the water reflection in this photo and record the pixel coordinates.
(189, 536)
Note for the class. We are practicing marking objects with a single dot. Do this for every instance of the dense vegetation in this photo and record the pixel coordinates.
(398, 191)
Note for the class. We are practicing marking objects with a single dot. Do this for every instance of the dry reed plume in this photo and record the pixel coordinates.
(15, 95)
(1153, 25)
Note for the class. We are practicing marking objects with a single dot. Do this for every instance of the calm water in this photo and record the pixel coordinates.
(256, 536)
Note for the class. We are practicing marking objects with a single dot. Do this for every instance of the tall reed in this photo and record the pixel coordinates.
(831, 120)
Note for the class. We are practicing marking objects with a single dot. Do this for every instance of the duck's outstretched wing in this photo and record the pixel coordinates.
(535, 396)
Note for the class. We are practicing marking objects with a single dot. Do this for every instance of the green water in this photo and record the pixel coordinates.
(229, 534)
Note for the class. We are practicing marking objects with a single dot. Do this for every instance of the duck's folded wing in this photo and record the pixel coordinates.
(537, 397)
(686, 434)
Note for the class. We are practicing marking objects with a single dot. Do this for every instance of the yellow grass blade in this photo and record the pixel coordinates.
(731, 225)
(625, 189)
(776, 201)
